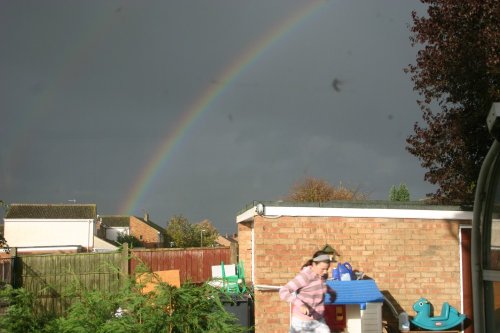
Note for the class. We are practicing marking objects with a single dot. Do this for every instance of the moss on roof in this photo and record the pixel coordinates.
(50, 211)
(115, 220)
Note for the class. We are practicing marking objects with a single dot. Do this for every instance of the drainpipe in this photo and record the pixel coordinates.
(88, 236)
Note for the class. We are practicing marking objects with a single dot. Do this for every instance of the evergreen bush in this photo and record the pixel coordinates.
(188, 309)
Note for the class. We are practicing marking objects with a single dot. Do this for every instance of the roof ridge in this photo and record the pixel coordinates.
(52, 204)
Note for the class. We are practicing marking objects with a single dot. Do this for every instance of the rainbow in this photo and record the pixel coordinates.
(250, 56)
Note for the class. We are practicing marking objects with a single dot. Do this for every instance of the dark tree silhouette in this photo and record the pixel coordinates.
(457, 73)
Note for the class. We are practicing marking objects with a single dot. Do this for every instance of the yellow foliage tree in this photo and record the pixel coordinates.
(319, 190)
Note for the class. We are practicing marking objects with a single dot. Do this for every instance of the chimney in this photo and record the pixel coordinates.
(146, 217)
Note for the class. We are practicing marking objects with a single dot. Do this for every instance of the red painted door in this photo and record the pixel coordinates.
(335, 317)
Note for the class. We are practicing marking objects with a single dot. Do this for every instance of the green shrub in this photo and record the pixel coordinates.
(188, 309)
(23, 313)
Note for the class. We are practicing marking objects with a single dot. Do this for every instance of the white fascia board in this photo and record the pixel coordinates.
(246, 215)
(275, 211)
(368, 212)
(49, 248)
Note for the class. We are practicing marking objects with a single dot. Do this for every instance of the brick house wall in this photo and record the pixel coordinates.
(408, 257)
(245, 248)
(149, 236)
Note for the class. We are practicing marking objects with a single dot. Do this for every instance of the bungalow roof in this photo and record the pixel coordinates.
(115, 220)
(51, 211)
(151, 224)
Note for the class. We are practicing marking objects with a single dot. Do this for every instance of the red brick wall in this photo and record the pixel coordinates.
(149, 234)
(408, 258)
(245, 248)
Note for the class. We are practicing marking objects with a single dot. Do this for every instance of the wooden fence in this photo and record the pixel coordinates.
(6, 270)
(51, 276)
(194, 264)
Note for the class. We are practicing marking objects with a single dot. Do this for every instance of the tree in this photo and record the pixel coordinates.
(318, 190)
(457, 71)
(3, 242)
(131, 240)
(4, 206)
(181, 232)
(399, 193)
(208, 231)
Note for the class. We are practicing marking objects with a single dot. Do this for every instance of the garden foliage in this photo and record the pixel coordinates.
(188, 309)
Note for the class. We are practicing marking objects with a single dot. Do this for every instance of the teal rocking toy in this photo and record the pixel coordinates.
(448, 318)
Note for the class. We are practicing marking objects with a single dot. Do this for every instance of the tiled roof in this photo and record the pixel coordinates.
(151, 224)
(115, 220)
(49, 211)
(227, 238)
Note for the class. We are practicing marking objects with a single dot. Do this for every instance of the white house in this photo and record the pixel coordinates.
(50, 228)
(112, 226)
(148, 233)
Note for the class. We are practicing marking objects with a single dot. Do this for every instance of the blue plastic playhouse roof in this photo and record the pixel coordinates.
(354, 292)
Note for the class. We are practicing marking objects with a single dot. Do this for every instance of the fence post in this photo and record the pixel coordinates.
(233, 248)
(13, 256)
(124, 264)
